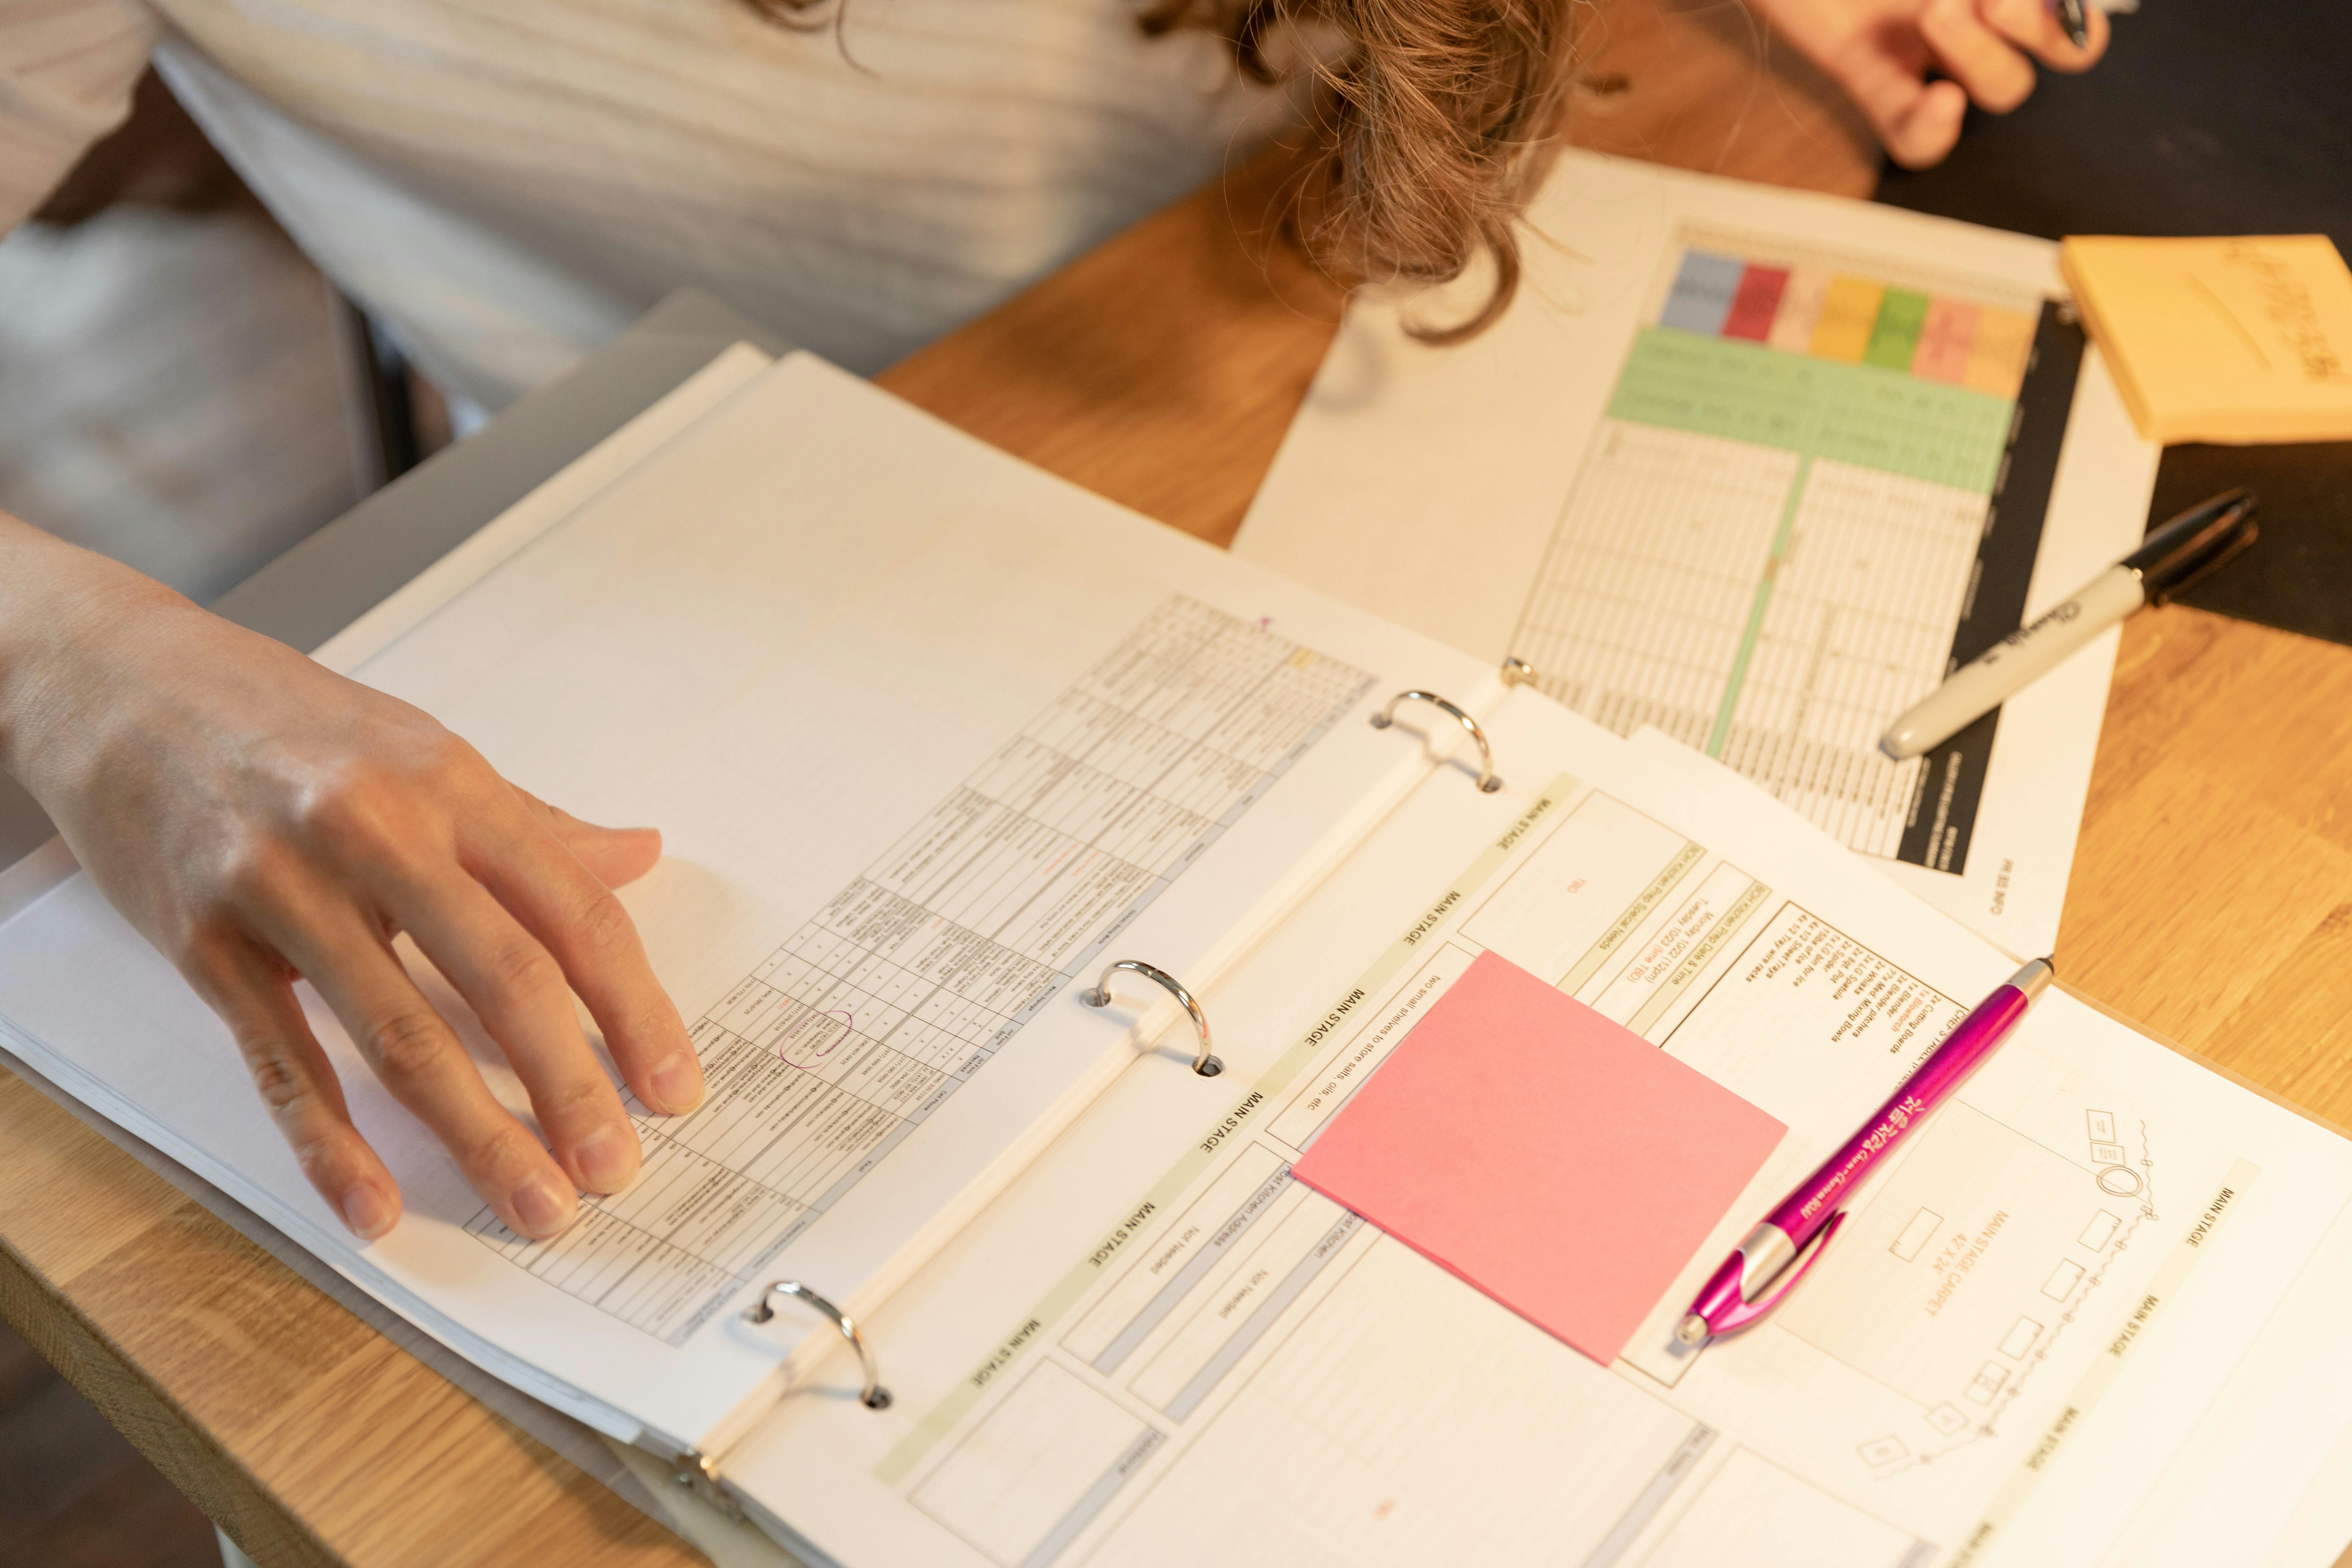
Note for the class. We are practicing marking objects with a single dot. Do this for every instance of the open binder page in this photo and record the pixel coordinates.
(1157, 1348)
(2279, 1430)
(1754, 466)
(927, 732)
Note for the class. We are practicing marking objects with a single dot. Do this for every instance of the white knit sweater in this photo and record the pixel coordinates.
(508, 181)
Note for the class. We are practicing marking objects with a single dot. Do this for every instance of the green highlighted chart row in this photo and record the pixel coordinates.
(1862, 414)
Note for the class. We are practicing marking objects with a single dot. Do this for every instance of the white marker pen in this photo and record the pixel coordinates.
(2171, 558)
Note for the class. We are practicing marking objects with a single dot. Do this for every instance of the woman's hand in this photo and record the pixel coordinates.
(259, 817)
(1880, 52)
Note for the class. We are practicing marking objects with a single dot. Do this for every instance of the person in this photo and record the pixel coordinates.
(503, 184)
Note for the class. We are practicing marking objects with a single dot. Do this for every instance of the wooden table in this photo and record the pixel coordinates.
(2212, 896)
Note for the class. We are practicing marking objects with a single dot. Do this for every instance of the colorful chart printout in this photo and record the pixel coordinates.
(1784, 531)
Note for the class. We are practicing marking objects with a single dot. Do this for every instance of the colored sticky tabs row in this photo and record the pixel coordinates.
(1855, 320)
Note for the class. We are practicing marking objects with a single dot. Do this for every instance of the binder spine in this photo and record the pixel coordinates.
(872, 1396)
(1204, 1063)
(1489, 781)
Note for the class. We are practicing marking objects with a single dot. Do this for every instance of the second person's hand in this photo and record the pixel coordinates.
(1884, 52)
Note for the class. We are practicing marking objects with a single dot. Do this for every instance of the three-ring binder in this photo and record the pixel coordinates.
(1204, 1064)
(1489, 781)
(1515, 673)
(872, 1396)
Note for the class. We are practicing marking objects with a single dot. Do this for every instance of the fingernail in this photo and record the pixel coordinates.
(677, 1082)
(367, 1212)
(542, 1209)
(608, 1159)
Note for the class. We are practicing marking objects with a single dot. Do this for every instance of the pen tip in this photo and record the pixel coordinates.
(1692, 1330)
(2034, 978)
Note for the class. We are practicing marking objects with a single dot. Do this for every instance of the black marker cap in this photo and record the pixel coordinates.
(2195, 543)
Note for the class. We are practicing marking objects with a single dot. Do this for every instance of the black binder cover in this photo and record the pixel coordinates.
(2299, 576)
(2206, 117)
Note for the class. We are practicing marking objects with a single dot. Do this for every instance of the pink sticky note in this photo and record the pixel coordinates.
(1557, 1160)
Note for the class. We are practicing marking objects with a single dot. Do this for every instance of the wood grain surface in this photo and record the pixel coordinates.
(2213, 894)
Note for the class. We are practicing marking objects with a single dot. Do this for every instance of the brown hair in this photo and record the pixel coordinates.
(1433, 120)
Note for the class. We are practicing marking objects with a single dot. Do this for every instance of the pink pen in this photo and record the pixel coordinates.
(1793, 1236)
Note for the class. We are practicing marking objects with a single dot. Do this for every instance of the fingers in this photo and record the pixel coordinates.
(563, 902)
(253, 992)
(507, 911)
(515, 987)
(2033, 25)
(614, 856)
(1996, 75)
(1917, 121)
(418, 1058)
(1982, 46)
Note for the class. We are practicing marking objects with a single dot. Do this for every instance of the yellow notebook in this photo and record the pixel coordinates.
(2239, 339)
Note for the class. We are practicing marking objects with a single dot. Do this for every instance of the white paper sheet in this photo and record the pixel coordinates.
(1781, 608)
(924, 729)
(1156, 1348)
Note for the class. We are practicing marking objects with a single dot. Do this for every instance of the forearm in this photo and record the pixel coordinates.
(54, 598)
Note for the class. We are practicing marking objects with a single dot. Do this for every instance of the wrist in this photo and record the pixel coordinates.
(60, 606)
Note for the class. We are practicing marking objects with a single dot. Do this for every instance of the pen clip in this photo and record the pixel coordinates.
(2238, 544)
(1744, 1313)
(2187, 549)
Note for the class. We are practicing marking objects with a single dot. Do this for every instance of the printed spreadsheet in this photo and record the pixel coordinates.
(1778, 527)
(866, 1020)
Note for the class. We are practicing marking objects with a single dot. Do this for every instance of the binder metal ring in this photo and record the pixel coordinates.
(874, 1397)
(1518, 672)
(1204, 1063)
(1489, 781)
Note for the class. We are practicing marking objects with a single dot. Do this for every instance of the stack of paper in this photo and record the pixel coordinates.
(2238, 340)
(934, 738)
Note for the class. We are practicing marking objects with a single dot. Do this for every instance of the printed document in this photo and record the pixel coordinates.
(925, 738)
(1160, 1347)
(932, 737)
(1757, 468)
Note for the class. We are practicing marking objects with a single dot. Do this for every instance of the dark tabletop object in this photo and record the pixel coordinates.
(2207, 117)
(2299, 576)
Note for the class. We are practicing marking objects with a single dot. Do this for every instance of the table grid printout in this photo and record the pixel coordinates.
(1782, 533)
(872, 1014)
